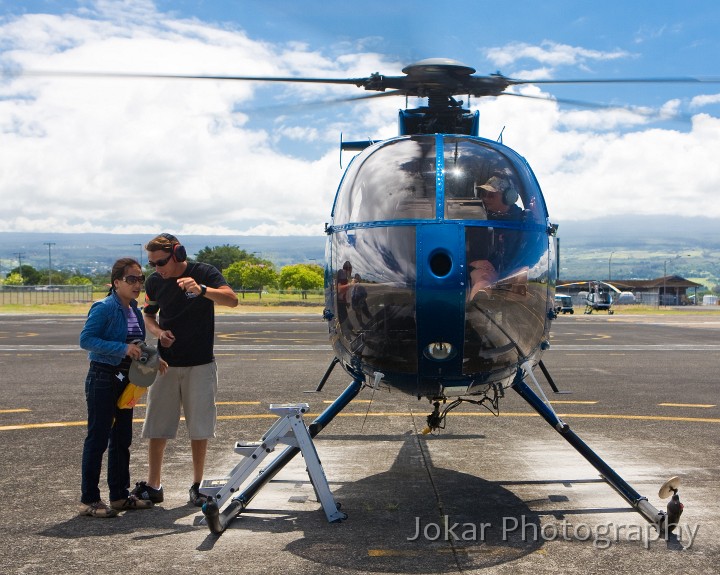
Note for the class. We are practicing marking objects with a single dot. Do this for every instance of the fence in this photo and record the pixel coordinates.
(34, 295)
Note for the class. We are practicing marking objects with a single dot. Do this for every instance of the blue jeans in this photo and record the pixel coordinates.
(109, 428)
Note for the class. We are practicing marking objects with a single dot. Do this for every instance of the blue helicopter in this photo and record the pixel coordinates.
(440, 268)
(441, 265)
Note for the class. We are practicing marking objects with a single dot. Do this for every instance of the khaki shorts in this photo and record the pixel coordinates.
(192, 389)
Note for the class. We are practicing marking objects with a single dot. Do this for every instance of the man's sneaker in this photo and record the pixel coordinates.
(144, 491)
(197, 498)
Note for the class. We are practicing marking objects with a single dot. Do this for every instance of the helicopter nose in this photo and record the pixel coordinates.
(440, 299)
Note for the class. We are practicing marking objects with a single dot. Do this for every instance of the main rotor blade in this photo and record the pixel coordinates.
(571, 102)
(647, 112)
(150, 75)
(320, 103)
(678, 80)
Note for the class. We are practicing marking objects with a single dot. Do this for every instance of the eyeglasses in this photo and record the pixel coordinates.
(132, 280)
(159, 263)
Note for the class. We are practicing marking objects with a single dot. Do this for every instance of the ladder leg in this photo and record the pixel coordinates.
(316, 472)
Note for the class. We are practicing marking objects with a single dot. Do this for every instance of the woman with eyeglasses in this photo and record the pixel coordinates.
(112, 325)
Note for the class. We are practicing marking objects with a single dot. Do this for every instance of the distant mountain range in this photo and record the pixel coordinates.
(620, 247)
(91, 252)
(632, 247)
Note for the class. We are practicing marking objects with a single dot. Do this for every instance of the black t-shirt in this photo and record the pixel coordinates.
(191, 318)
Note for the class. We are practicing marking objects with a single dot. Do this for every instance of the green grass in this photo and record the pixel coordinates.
(652, 310)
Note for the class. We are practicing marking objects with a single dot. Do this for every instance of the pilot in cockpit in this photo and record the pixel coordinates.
(490, 251)
(500, 198)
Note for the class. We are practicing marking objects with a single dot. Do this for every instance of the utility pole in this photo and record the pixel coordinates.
(49, 245)
(19, 257)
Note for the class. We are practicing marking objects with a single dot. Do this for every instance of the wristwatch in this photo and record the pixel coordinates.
(203, 289)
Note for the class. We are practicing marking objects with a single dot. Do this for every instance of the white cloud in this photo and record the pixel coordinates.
(118, 154)
(704, 100)
(586, 174)
(138, 155)
(549, 54)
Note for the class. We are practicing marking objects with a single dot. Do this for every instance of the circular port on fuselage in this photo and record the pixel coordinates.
(440, 264)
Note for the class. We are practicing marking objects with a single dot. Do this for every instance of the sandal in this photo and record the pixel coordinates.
(130, 503)
(97, 509)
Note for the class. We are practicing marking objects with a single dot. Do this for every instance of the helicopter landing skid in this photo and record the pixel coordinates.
(658, 519)
(218, 520)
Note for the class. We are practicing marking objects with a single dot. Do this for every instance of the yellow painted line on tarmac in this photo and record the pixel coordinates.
(403, 414)
(506, 414)
(578, 402)
(435, 551)
(640, 417)
(687, 404)
(392, 553)
(42, 425)
(217, 403)
(18, 410)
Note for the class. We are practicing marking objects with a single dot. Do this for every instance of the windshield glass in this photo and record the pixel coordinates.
(394, 182)
(481, 183)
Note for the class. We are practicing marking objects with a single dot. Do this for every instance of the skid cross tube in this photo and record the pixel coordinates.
(639, 503)
(219, 520)
(548, 377)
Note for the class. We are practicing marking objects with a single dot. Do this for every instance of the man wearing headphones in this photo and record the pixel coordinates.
(185, 294)
(499, 199)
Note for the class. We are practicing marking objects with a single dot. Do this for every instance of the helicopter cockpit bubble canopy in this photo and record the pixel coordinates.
(440, 263)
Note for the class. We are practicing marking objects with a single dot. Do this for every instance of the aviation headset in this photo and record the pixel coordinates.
(510, 196)
(177, 250)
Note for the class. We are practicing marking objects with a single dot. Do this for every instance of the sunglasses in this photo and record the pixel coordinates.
(132, 280)
(159, 263)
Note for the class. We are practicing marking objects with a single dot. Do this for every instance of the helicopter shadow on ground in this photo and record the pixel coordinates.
(398, 520)
(395, 437)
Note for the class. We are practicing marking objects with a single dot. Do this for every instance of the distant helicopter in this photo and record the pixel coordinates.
(598, 297)
(441, 263)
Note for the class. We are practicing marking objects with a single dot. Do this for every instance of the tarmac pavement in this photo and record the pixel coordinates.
(487, 494)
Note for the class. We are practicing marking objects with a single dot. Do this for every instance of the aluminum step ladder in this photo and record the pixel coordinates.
(290, 430)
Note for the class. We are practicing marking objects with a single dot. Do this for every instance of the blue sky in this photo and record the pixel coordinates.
(227, 158)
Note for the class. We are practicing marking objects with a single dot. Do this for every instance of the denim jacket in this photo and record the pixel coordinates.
(105, 331)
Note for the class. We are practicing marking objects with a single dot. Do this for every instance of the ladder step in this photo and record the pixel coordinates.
(212, 486)
(285, 409)
(246, 449)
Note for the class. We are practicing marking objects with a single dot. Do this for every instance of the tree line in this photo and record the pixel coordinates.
(242, 269)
